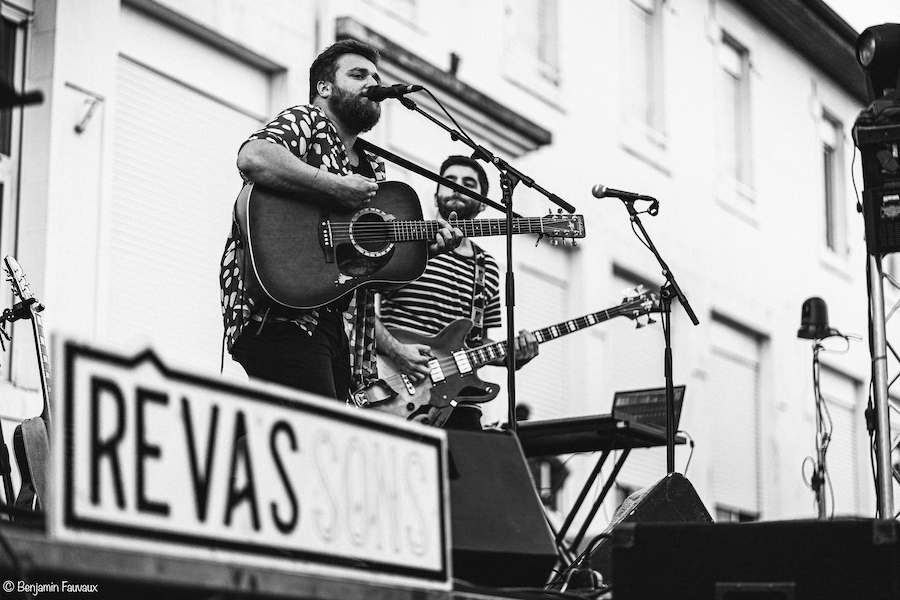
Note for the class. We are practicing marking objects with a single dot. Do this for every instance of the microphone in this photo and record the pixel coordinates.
(380, 92)
(601, 191)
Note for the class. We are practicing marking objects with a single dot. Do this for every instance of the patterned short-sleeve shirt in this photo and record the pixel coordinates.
(307, 132)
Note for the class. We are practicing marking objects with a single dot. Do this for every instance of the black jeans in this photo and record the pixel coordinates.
(283, 353)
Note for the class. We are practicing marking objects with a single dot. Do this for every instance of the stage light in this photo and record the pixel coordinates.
(814, 320)
(878, 52)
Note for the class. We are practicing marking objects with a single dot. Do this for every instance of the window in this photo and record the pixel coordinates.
(832, 135)
(846, 446)
(730, 515)
(12, 52)
(532, 40)
(644, 87)
(8, 56)
(735, 362)
(735, 112)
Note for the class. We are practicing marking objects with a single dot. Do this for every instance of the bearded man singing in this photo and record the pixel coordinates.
(310, 152)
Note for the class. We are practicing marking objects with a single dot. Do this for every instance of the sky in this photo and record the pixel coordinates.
(865, 13)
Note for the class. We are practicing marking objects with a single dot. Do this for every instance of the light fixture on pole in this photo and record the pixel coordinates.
(814, 326)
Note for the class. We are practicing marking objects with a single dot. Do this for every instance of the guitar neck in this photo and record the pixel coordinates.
(406, 231)
(490, 352)
(43, 358)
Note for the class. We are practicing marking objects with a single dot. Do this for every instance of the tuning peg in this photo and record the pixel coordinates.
(650, 320)
(554, 242)
(638, 324)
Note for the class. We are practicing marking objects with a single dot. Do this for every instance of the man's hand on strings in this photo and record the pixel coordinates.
(412, 360)
(447, 239)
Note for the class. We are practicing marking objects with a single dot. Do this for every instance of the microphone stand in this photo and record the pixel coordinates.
(666, 293)
(508, 182)
(509, 177)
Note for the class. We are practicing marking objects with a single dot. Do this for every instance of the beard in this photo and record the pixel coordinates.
(354, 112)
(469, 209)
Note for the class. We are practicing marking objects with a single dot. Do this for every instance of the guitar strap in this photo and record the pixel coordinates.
(364, 367)
(478, 298)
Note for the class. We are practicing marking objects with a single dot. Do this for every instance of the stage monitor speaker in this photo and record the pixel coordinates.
(500, 536)
(774, 560)
(671, 499)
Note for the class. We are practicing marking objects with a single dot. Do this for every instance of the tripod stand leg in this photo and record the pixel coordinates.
(609, 483)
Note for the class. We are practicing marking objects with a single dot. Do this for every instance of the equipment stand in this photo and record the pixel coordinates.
(878, 351)
(666, 293)
(508, 182)
(823, 437)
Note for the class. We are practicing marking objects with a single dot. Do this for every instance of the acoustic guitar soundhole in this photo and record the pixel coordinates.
(370, 233)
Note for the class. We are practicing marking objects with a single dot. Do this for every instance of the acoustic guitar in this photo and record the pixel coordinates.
(305, 256)
(453, 376)
(31, 439)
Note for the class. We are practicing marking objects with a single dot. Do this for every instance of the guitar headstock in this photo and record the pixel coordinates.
(16, 276)
(563, 226)
(638, 302)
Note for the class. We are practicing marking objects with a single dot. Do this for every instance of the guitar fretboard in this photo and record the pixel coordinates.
(372, 231)
(404, 231)
(43, 354)
(490, 352)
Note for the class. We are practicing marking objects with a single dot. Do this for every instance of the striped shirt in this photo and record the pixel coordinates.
(441, 295)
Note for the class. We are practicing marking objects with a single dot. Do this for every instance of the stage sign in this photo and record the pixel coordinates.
(156, 460)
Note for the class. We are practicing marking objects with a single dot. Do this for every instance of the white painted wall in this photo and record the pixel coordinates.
(754, 268)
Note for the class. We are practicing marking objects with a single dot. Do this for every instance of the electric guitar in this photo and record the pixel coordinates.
(31, 440)
(453, 376)
(303, 256)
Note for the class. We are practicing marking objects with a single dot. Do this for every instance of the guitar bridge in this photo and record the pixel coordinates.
(326, 239)
(410, 388)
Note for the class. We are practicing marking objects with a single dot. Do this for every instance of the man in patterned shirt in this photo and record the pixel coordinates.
(447, 291)
(310, 150)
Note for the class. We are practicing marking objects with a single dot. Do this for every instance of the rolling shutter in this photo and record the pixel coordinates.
(174, 181)
(734, 397)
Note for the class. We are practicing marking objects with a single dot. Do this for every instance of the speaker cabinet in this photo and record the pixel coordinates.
(500, 536)
(671, 499)
(881, 208)
(775, 560)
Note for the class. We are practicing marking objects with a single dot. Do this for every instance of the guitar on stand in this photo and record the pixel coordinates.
(31, 439)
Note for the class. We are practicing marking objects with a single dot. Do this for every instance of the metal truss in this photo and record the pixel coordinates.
(879, 345)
